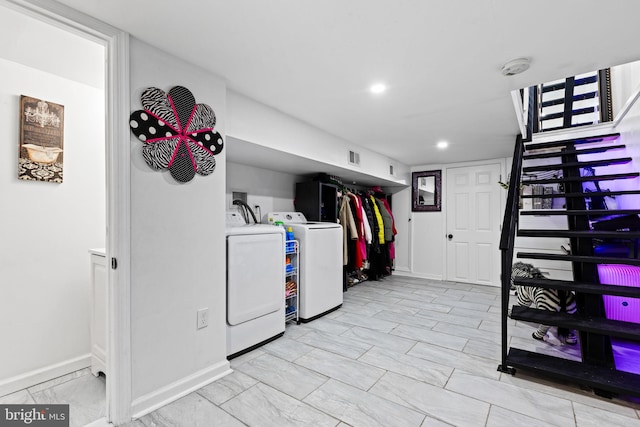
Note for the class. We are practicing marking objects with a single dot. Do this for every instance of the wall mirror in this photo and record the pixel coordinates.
(427, 191)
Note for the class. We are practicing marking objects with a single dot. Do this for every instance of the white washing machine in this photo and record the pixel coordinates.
(255, 284)
(321, 262)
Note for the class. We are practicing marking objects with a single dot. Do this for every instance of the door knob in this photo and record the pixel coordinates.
(450, 236)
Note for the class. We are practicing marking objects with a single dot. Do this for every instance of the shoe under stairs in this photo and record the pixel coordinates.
(597, 369)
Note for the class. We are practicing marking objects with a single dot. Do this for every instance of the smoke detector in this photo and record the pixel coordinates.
(515, 66)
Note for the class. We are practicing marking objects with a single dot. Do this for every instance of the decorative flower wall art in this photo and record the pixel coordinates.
(177, 133)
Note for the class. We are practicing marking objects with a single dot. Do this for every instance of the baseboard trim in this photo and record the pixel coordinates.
(37, 376)
(174, 391)
(401, 273)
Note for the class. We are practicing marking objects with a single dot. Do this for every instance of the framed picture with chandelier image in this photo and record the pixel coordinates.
(40, 153)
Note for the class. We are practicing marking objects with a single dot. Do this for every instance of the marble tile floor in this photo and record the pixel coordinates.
(84, 393)
(400, 352)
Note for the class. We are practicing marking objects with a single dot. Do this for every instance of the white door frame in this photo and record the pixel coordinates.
(117, 156)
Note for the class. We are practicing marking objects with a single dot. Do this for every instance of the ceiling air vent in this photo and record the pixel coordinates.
(354, 158)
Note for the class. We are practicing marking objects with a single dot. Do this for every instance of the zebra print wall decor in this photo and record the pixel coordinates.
(177, 133)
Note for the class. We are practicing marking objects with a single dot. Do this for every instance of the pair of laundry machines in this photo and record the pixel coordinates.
(256, 276)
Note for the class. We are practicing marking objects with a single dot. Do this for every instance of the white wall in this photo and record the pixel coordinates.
(401, 205)
(273, 191)
(423, 251)
(260, 124)
(38, 45)
(625, 79)
(177, 251)
(47, 230)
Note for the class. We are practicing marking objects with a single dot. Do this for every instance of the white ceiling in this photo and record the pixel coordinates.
(441, 59)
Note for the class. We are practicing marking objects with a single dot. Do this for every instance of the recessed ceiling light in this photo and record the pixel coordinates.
(442, 145)
(378, 88)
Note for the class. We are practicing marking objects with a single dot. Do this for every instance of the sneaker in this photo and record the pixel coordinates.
(536, 337)
(571, 338)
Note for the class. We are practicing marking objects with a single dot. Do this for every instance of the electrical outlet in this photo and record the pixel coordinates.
(203, 318)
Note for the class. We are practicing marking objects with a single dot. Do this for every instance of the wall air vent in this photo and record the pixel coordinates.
(354, 158)
(391, 171)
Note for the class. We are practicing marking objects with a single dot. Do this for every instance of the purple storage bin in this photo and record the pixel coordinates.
(620, 308)
(626, 354)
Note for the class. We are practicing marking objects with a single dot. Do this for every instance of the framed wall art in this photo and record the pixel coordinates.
(426, 191)
(40, 154)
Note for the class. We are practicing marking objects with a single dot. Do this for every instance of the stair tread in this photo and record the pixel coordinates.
(553, 87)
(592, 163)
(580, 97)
(576, 112)
(552, 116)
(586, 194)
(578, 152)
(595, 178)
(575, 141)
(604, 234)
(592, 212)
(603, 326)
(587, 288)
(580, 111)
(585, 80)
(594, 376)
(574, 125)
(578, 258)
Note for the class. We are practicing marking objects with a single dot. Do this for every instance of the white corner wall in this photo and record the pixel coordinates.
(47, 230)
(625, 80)
(177, 251)
(273, 191)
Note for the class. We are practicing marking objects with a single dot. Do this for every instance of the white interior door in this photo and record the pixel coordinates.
(473, 224)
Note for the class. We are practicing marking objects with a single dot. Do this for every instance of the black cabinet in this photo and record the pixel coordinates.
(318, 201)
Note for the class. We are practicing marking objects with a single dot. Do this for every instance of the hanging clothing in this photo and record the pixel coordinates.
(367, 228)
(378, 219)
(387, 220)
(392, 246)
(349, 230)
(361, 246)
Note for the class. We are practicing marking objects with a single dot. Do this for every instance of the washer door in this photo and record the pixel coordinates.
(255, 276)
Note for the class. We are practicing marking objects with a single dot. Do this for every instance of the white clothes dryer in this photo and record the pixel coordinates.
(321, 263)
(255, 284)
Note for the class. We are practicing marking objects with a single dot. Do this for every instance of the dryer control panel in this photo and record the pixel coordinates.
(286, 217)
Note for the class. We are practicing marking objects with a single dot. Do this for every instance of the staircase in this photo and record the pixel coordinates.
(586, 230)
